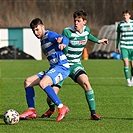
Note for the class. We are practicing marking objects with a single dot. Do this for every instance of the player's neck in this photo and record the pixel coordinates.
(80, 30)
(127, 20)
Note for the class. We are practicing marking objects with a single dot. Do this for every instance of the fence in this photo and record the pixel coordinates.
(106, 51)
(107, 31)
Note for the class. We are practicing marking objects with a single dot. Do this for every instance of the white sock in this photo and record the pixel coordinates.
(132, 79)
(60, 105)
(128, 81)
(31, 108)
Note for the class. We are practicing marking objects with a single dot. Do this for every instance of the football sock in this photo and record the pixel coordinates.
(51, 105)
(30, 94)
(52, 95)
(126, 72)
(91, 100)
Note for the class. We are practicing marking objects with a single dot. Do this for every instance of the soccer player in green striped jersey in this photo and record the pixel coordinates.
(78, 36)
(125, 39)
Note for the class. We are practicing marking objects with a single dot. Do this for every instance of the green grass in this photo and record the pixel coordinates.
(113, 99)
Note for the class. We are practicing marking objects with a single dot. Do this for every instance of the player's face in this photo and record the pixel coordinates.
(79, 24)
(126, 16)
(39, 31)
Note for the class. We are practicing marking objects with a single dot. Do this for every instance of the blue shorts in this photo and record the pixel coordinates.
(57, 73)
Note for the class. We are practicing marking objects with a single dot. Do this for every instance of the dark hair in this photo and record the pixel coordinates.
(126, 11)
(81, 14)
(35, 22)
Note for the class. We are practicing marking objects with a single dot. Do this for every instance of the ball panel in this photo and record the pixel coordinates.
(11, 117)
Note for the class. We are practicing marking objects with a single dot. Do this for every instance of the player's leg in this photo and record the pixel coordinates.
(127, 71)
(30, 94)
(125, 56)
(49, 101)
(53, 76)
(82, 80)
(131, 64)
(79, 75)
(51, 105)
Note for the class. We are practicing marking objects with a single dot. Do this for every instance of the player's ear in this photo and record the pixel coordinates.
(43, 26)
(84, 22)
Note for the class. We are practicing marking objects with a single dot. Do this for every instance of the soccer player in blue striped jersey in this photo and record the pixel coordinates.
(78, 36)
(58, 71)
(125, 40)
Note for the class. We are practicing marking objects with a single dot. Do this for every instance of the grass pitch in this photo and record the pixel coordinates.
(113, 99)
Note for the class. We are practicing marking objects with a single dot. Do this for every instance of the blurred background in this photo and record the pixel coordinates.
(15, 16)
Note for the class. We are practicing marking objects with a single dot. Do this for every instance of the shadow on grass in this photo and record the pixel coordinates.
(40, 119)
(114, 118)
(46, 119)
(1, 116)
(3, 124)
(53, 119)
(78, 119)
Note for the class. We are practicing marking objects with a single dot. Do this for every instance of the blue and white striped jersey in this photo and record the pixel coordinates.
(50, 48)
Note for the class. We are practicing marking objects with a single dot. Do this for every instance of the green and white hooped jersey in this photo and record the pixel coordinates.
(125, 34)
(77, 42)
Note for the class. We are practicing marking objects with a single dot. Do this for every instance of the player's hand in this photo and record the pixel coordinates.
(59, 40)
(103, 41)
(117, 51)
(62, 46)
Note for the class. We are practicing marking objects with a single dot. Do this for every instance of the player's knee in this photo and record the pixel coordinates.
(86, 85)
(27, 83)
(42, 84)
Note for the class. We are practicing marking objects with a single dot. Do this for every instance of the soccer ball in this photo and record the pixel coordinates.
(11, 117)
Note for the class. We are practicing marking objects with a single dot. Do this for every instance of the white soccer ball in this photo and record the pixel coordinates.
(11, 117)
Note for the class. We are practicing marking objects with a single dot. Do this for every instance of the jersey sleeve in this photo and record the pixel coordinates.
(65, 40)
(53, 35)
(65, 33)
(91, 37)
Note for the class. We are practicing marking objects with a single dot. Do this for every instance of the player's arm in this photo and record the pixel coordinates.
(92, 38)
(64, 43)
(96, 40)
(117, 39)
(54, 37)
(63, 40)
